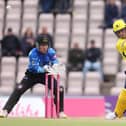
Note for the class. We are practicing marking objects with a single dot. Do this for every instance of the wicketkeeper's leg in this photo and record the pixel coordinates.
(61, 97)
(25, 84)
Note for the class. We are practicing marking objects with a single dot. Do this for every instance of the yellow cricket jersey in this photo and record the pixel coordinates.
(121, 47)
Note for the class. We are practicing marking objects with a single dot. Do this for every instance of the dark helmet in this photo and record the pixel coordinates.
(42, 40)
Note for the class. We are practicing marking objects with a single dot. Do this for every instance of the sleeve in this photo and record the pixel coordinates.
(53, 57)
(34, 64)
(121, 45)
(121, 48)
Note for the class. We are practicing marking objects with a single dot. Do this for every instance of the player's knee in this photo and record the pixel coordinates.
(19, 87)
(61, 88)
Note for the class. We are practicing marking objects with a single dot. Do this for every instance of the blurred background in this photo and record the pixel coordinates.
(81, 33)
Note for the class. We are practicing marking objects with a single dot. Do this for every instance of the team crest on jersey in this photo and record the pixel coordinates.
(33, 62)
(54, 56)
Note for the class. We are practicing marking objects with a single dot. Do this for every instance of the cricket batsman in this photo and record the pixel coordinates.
(41, 60)
(119, 28)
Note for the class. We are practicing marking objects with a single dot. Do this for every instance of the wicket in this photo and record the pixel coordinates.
(57, 77)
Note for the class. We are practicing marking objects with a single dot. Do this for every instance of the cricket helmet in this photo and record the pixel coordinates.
(119, 25)
(42, 40)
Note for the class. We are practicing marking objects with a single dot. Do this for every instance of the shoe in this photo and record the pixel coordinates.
(111, 116)
(3, 113)
(62, 115)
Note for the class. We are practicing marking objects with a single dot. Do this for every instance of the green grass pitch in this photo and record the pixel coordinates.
(61, 122)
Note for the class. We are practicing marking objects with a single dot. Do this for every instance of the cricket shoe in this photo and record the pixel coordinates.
(111, 116)
(62, 115)
(3, 113)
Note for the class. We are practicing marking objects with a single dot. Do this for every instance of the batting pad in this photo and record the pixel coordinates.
(121, 103)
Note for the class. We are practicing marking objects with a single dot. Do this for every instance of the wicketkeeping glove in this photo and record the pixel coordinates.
(47, 68)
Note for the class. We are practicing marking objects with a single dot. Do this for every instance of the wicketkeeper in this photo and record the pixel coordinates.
(40, 60)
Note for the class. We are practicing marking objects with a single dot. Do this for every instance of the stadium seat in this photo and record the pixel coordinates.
(110, 60)
(30, 15)
(79, 29)
(60, 21)
(79, 23)
(96, 34)
(29, 20)
(96, 13)
(123, 65)
(92, 83)
(22, 65)
(62, 33)
(80, 6)
(110, 38)
(119, 83)
(8, 70)
(14, 24)
(109, 66)
(32, 3)
(46, 20)
(2, 4)
(75, 80)
(13, 16)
